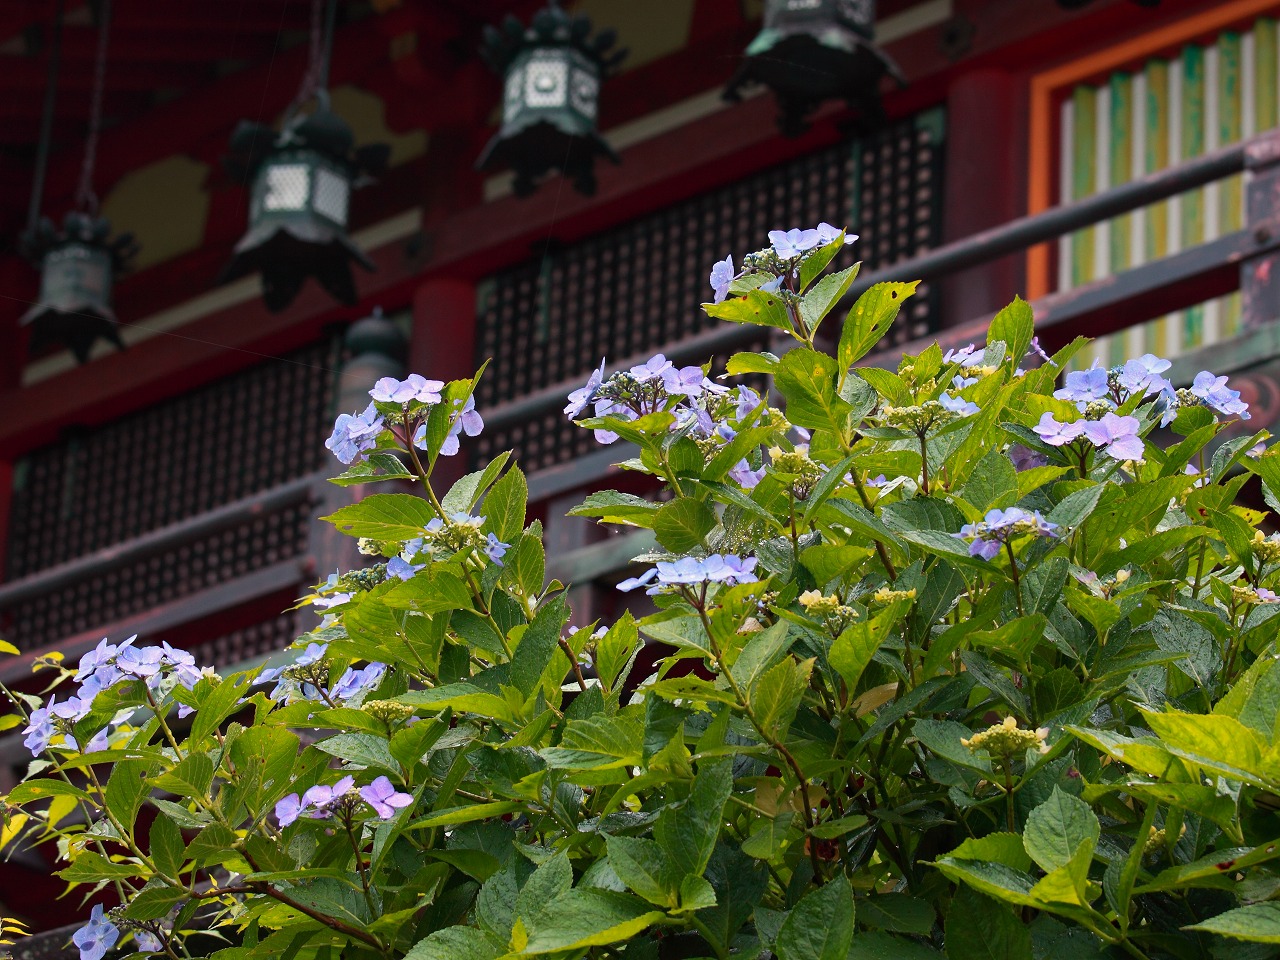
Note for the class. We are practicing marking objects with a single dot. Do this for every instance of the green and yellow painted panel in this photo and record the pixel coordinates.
(1145, 119)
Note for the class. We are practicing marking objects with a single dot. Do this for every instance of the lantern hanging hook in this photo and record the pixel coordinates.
(46, 121)
(315, 82)
(86, 199)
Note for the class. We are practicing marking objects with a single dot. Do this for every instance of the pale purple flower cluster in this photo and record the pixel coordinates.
(788, 244)
(295, 681)
(998, 527)
(354, 435)
(467, 421)
(721, 276)
(100, 669)
(717, 568)
(657, 384)
(1214, 393)
(1117, 436)
(97, 936)
(319, 802)
(413, 389)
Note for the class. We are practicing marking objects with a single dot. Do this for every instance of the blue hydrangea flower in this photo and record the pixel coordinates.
(414, 387)
(717, 568)
(142, 662)
(1215, 394)
(39, 730)
(468, 422)
(384, 798)
(147, 942)
(1118, 436)
(773, 286)
(495, 549)
(401, 569)
(580, 398)
(721, 276)
(998, 527)
(288, 808)
(743, 475)
(1143, 375)
(966, 356)
(97, 936)
(355, 435)
(353, 681)
(792, 243)
(654, 368)
(1085, 385)
(1057, 434)
(966, 408)
(317, 801)
(828, 234)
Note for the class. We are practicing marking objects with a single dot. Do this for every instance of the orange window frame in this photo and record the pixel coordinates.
(1048, 89)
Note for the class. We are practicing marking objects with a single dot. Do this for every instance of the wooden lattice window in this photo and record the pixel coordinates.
(637, 288)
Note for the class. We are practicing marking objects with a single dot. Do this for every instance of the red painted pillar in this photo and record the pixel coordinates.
(442, 346)
(985, 179)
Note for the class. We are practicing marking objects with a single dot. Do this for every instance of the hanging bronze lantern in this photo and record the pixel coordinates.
(551, 75)
(815, 50)
(300, 182)
(78, 265)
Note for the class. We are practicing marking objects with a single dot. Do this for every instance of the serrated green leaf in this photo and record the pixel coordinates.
(820, 927)
(869, 319)
(682, 524)
(1057, 828)
(384, 516)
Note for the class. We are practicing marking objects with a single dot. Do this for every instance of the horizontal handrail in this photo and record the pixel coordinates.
(960, 255)
(157, 541)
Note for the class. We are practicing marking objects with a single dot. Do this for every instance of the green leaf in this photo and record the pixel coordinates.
(977, 929)
(807, 379)
(1215, 742)
(456, 943)
(776, 696)
(598, 743)
(1015, 325)
(682, 524)
(741, 363)
(771, 836)
(431, 590)
(212, 846)
(994, 879)
(616, 650)
(505, 505)
(375, 467)
(361, 750)
(813, 264)
(993, 483)
(688, 832)
(758, 307)
(620, 508)
(215, 700)
(167, 846)
(191, 777)
(1257, 923)
(825, 294)
(870, 319)
(851, 652)
(640, 864)
(1056, 828)
(821, 925)
(1076, 507)
(384, 516)
(40, 789)
(466, 491)
(152, 903)
(943, 738)
(1016, 639)
(89, 867)
(589, 918)
(468, 814)
(897, 913)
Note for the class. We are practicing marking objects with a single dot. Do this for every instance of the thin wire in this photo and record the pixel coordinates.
(316, 79)
(46, 120)
(86, 199)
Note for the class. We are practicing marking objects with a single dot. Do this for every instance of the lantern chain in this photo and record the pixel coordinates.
(320, 50)
(86, 199)
(46, 120)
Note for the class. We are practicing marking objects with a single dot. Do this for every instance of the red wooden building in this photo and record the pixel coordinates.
(168, 489)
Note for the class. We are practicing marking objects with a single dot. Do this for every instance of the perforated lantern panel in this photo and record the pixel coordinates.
(637, 288)
(212, 446)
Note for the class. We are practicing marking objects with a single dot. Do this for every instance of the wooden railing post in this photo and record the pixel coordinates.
(377, 349)
(1260, 275)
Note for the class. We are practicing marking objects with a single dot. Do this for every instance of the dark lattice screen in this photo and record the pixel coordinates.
(214, 445)
(248, 643)
(211, 446)
(636, 288)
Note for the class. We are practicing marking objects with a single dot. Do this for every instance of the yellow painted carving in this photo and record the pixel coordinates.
(164, 204)
(648, 30)
(367, 115)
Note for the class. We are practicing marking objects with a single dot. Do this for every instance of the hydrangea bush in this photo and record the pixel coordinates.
(965, 659)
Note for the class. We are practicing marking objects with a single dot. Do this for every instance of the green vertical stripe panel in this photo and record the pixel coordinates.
(1121, 156)
(1083, 179)
(1192, 128)
(1156, 149)
(1230, 130)
(1264, 74)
